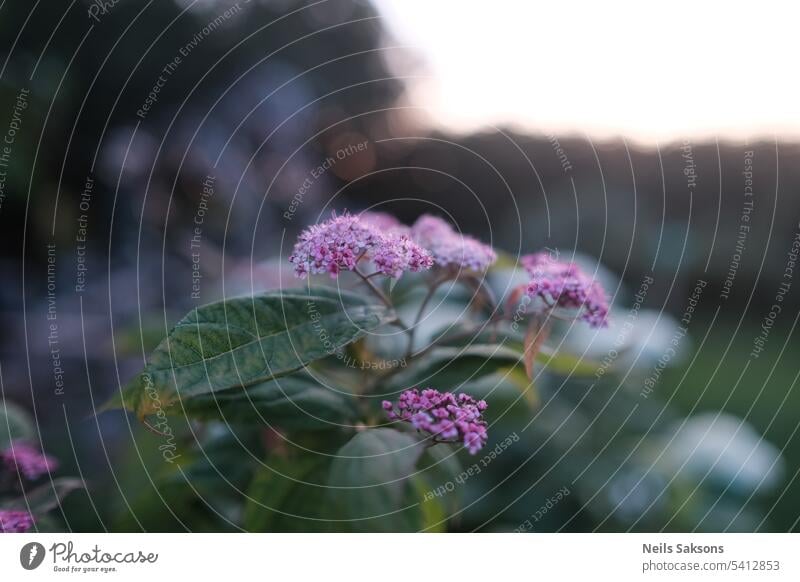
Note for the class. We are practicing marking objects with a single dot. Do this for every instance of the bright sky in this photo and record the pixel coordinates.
(614, 67)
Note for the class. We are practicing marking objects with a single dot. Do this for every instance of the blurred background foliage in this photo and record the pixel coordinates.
(259, 103)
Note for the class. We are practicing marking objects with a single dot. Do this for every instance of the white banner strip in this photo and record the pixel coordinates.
(389, 557)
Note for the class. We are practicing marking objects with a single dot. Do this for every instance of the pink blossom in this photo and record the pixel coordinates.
(447, 417)
(332, 246)
(339, 243)
(398, 254)
(450, 248)
(12, 521)
(27, 460)
(565, 285)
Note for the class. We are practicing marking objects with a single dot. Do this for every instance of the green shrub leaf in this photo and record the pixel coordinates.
(288, 494)
(565, 363)
(448, 368)
(246, 341)
(371, 482)
(15, 424)
(292, 402)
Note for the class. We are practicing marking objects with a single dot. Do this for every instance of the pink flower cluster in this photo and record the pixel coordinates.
(398, 254)
(12, 521)
(449, 418)
(450, 248)
(27, 460)
(339, 243)
(565, 285)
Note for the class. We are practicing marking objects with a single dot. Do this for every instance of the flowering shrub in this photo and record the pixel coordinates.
(351, 440)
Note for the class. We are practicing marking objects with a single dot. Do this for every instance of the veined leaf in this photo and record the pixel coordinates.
(519, 378)
(439, 469)
(291, 402)
(371, 482)
(288, 494)
(490, 335)
(433, 511)
(452, 368)
(559, 362)
(448, 368)
(567, 364)
(200, 491)
(245, 341)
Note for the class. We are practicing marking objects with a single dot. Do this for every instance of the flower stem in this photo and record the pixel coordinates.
(397, 322)
(375, 289)
(428, 296)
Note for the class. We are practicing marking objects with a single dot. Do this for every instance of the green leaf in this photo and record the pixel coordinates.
(455, 368)
(439, 466)
(248, 340)
(519, 378)
(371, 482)
(223, 462)
(202, 490)
(292, 402)
(491, 335)
(433, 511)
(560, 362)
(291, 493)
(15, 424)
(288, 494)
(557, 362)
(449, 368)
(567, 364)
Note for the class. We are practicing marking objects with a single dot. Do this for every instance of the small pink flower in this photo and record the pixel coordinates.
(27, 460)
(332, 246)
(565, 285)
(450, 248)
(339, 243)
(447, 417)
(12, 521)
(397, 254)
